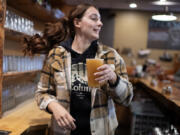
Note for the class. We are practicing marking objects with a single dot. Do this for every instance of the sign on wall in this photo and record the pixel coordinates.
(164, 35)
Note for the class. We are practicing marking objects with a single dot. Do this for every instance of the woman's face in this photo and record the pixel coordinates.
(90, 24)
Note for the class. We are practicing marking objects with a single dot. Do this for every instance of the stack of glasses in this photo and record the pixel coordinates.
(22, 63)
(20, 24)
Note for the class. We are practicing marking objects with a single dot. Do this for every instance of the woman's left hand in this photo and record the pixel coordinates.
(105, 73)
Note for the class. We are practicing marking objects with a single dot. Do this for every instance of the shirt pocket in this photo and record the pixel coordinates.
(59, 77)
(60, 80)
(62, 94)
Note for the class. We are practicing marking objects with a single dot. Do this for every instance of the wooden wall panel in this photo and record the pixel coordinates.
(2, 20)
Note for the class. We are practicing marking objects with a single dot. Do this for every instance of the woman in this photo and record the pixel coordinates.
(63, 90)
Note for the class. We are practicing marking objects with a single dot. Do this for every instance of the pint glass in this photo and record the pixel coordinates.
(92, 65)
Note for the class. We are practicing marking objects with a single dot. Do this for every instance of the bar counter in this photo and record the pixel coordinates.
(23, 117)
(169, 101)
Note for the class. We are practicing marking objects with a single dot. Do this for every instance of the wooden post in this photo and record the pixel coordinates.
(2, 21)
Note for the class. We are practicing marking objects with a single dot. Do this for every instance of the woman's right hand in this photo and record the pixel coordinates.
(62, 116)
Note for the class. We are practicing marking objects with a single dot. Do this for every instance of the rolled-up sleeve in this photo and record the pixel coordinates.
(122, 93)
(46, 90)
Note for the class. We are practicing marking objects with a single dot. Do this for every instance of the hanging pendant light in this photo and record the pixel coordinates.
(164, 2)
(164, 17)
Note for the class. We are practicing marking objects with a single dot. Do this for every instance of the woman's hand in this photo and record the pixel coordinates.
(62, 116)
(106, 73)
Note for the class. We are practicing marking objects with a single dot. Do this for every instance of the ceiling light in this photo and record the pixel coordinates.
(133, 5)
(164, 2)
(164, 17)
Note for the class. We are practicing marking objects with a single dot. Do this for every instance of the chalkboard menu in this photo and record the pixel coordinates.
(164, 35)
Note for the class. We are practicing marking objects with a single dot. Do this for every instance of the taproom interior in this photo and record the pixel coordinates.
(145, 33)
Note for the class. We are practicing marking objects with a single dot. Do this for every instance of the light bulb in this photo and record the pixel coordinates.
(133, 5)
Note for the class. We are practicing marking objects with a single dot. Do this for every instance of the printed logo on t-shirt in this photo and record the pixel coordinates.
(79, 80)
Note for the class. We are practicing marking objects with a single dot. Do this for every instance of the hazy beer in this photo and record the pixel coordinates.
(92, 65)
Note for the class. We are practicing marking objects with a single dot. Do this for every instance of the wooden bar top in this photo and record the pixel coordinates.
(22, 117)
(173, 97)
(171, 101)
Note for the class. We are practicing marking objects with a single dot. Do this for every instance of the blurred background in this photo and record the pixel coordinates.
(146, 33)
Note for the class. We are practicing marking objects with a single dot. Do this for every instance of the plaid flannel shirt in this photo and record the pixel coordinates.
(55, 85)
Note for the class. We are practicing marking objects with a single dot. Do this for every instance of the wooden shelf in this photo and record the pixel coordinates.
(33, 10)
(14, 35)
(10, 74)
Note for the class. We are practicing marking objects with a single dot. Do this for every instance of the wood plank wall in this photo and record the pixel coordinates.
(2, 20)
